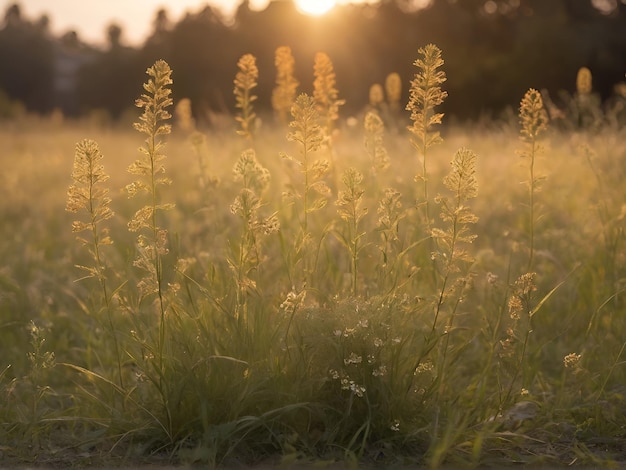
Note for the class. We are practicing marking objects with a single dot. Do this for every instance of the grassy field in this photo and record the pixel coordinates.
(315, 289)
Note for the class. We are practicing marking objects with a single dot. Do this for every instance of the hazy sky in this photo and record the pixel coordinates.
(91, 17)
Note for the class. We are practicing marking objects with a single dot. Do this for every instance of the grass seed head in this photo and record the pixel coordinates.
(393, 87)
(245, 81)
(284, 94)
(583, 81)
(533, 116)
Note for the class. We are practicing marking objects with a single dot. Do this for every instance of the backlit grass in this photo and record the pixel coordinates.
(310, 291)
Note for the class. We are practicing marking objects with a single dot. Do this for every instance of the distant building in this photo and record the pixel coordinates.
(70, 55)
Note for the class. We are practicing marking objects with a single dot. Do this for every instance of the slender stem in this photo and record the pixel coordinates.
(531, 197)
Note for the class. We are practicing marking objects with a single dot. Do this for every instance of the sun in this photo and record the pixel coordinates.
(315, 7)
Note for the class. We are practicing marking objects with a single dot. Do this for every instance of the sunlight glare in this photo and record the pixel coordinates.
(315, 7)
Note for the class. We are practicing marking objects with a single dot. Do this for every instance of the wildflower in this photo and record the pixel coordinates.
(515, 307)
(423, 367)
(492, 278)
(571, 360)
(380, 371)
(358, 390)
(526, 283)
(349, 331)
(293, 301)
(354, 358)
(533, 116)
(395, 425)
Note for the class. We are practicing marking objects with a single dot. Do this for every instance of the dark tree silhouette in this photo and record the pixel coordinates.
(494, 51)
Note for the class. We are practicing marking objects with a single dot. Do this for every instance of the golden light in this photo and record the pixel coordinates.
(315, 7)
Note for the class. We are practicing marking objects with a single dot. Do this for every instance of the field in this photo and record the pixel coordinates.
(312, 288)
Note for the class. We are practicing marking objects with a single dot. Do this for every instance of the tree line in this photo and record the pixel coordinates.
(494, 50)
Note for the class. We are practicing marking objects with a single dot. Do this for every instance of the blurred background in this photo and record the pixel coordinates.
(494, 51)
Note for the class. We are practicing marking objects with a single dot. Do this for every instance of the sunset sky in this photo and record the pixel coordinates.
(91, 17)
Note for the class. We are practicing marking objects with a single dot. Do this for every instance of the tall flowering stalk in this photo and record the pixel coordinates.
(255, 180)
(308, 134)
(89, 194)
(390, 213)
(284, 94)
(458, 217)
(452, 255)
(326, 94)
(152, 239)
(349, 208)
(534, 121)
(245, 81)
(393, 87)
(374, 143)
(425, 95)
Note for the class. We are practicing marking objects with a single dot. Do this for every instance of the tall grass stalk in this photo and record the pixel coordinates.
(255, 180)
(326, 94)
(393, 88)
(390, 213)
(307, 132)
(198, 141)
(152, 242)
(374, 143)
(425, 95)
(88, 193)
(245, 82)
(453, 256)
(40, 362)
(534, 120)
(327, 102)
(458, 217)
(284, 93)
(349, 209)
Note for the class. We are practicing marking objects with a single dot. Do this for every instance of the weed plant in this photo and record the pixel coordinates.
(243, 308)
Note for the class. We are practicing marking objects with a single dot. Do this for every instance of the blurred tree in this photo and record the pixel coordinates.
(13, 16)
(494, 51)
(28, 55)
(114, 36)
(157, 45)
(109, 81)
(201, 51)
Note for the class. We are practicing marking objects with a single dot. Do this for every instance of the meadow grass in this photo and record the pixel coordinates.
(251, 308)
